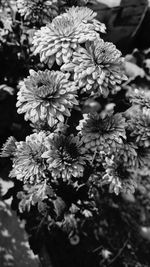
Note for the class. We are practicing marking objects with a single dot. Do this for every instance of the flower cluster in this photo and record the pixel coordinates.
(42, 153)
(36, 10)
(46, 96)
(81, 143)
(102, 133)
(58, 40)
(98, 68)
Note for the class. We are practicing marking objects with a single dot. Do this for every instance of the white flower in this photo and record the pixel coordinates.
(58, 40)
(65, 156)
(28, 165)
(46, 96)
(98, 67)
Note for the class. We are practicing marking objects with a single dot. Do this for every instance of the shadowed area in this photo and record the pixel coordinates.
(14, 248)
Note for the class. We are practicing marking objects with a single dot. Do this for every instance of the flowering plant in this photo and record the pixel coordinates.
(82, 148)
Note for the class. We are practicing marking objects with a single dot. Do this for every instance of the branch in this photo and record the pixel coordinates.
(119, 252)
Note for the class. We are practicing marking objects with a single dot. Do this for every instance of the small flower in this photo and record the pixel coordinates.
(98, 68)
(139, 129)
(118, 176)
(102, 133)
(38, 10)
(46, 96)
(142, 100)
(58, 40)
(65, 156)
(28, 165)
(9, 147)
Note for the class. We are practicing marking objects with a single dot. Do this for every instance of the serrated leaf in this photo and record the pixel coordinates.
(33, 195)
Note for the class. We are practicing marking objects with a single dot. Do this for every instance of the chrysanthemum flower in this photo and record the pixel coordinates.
(142, 100)
(46, 96)
(98, 68)
(9, 147)
(139, 128)
(59, 39)
(43, 10)
(134, 156)
(118, 176)
(102, 133)
(28, 165)
(87, 15)
(65, 156)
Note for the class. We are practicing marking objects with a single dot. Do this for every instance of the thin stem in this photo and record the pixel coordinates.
(94, 156)
(119, 252)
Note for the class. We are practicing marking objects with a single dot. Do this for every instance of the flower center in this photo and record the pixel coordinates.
(45, 91)
(69, 153)
(101, 126)
(121, 172)
(36, 156)
(65, 26)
